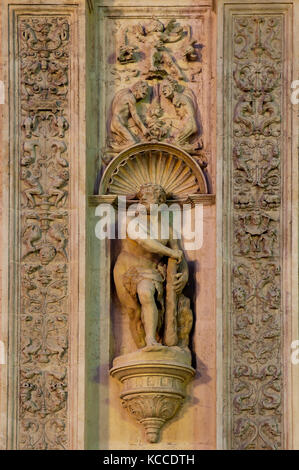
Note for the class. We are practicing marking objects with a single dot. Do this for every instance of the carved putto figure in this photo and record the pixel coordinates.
(157, 127)
(35, 188)
(124, 107)
(150, 292)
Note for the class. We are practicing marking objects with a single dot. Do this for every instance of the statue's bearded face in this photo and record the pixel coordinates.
(151, 194)
(167, 90)
(140, 90)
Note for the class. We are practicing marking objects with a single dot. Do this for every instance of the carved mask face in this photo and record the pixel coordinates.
(47, 254)
(65, 175)
(25, 173)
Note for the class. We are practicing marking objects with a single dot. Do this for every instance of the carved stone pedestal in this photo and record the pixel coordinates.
(153, 385)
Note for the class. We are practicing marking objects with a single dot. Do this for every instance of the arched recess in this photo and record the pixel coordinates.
(107, 424)
(174, 169)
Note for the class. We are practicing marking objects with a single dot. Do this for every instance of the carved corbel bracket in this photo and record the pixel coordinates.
(153, 386)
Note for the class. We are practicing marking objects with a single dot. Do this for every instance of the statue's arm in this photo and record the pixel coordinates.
(183, 272)
(176, 245)
(134, 114)
(153, 246)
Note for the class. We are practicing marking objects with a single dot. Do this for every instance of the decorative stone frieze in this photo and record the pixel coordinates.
(256, 154)
(44, 172)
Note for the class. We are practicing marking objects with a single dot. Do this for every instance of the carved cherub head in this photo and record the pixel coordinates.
(151, 193)
(140, 89)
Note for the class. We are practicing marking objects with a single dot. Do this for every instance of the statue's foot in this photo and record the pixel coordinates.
(152, 345)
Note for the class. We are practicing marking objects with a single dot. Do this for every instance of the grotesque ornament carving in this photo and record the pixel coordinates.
(256, 291)
(255, 235)
(44, 178)
(127, 53)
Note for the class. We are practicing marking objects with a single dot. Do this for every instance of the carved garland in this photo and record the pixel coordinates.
(256, 317)
(44, 176)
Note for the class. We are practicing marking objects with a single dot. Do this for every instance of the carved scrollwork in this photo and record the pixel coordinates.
(43, 398)
(256, 277)
(44, 179)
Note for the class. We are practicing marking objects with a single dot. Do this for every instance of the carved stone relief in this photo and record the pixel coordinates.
(256, 272)
(155, 69)
(44, 179)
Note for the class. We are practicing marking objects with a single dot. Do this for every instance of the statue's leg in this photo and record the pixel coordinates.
(129, 306)
(30, 193)
(135, 323)
(146, 293)
(121, 130)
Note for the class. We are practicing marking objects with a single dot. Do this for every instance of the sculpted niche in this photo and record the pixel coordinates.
(150, 275)
(154, 154)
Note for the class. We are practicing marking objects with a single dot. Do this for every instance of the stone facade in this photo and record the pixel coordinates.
(186, 104)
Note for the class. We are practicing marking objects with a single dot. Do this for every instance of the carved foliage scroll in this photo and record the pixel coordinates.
(44, 178)
(256, 280)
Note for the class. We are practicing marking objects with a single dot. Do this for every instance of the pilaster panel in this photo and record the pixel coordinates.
(41, 299)
(257, 54)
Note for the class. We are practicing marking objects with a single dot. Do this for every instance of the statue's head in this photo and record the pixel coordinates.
(151, 193)
(140, 89)
(169, 87)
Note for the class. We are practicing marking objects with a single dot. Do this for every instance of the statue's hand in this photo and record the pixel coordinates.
(178, 255)
(180, 282)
